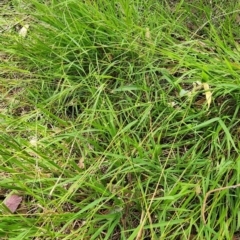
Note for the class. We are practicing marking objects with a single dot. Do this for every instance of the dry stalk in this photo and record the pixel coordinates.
(207, 195)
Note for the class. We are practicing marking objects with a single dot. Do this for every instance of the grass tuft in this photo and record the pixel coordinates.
(106, 128)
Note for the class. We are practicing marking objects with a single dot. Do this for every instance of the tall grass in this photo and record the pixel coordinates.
(102, 132)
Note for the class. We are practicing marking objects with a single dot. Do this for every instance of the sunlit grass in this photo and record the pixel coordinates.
(97, 134)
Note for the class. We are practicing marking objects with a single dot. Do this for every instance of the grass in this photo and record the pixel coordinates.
(106, 131)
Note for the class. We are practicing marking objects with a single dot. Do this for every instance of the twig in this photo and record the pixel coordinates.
(206, 197)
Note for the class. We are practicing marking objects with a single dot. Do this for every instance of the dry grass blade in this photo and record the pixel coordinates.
(208, 94)
(207, 195)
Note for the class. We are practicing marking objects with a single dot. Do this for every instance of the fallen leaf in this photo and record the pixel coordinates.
(208, 94)
(148, 34)
(183, 93)
(172, 104)
(81, 163)
(196, 86)
(33, 141)
(23, 31)
(198, 189)
(12, 202)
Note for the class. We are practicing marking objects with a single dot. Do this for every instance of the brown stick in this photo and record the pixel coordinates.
(206, 197)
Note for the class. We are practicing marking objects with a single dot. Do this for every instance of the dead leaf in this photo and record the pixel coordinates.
(33, 141)
(81, 163)
(183, 93)
(12, 202)
(23, 31)
(148, 34)
(198, 189)
(196, 86)
(208, 94)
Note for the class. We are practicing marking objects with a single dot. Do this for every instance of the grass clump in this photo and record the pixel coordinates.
(106, 128)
